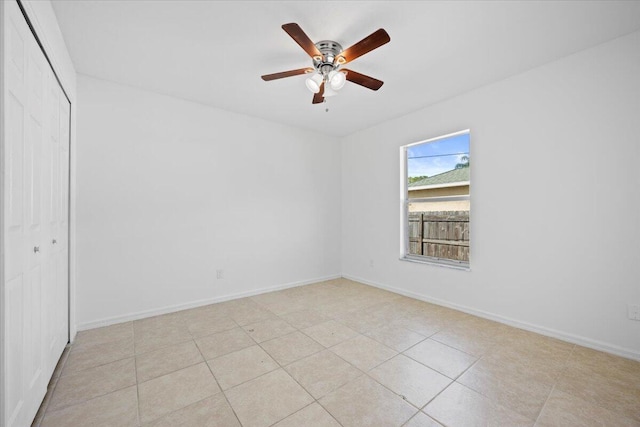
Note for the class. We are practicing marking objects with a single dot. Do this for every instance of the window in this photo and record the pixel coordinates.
(435, 200)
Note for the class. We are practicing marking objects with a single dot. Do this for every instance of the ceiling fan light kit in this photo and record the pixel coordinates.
(326, 68)
(328, 56)
(313, 83)
(337, 79)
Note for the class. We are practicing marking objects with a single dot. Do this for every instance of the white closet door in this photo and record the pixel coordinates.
(35, 304)
(51, 169)
(34, 381)
(58, 237)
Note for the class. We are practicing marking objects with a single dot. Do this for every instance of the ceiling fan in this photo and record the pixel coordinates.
(326, 76)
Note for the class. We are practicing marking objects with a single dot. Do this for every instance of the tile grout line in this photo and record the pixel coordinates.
(386, 387)
(244, 382)
(453, 381)
(362, 373)
(535, 422)
(555, 383)
(328, 412)
(101, 364)
(92, 398)
(218, 384)
(296, 381)
(415, 415)
(403, 397)
(442, 373)
(135, 364)
(565, 367)
(293, 413)
(193, 339)
(303, 357)
(447, 345)
(55, 383)
(597, 404)
(489, 398)
(495, 403)
(365, 373)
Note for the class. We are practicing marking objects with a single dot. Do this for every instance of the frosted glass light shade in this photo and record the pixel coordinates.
(328, 91)
(337, 80)
(313, 83)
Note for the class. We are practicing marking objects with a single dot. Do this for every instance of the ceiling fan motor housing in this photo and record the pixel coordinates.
(330, 53)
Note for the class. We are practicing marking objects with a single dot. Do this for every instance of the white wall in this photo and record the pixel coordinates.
(555, 203)
(170, 191)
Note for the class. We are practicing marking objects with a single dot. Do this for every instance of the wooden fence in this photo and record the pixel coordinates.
(442, 234)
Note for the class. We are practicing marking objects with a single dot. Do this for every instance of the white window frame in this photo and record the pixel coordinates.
(404, 210)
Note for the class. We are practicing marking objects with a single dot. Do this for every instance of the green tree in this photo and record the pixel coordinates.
(413, 179)
(464, 162)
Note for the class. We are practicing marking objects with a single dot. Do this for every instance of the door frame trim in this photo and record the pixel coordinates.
(3, 7)
(44, 52)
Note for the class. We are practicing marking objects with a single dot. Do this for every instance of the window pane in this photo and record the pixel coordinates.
(438, 204)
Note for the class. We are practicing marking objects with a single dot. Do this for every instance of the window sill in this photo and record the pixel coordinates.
(437, 263)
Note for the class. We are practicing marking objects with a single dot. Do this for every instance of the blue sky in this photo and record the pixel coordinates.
(441, 155)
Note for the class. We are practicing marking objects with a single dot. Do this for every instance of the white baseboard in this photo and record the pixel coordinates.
(177, 307)
(564, 336)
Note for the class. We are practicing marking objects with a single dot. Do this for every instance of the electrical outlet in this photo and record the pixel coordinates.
(634, 311)
(371, 263)
(220, 274)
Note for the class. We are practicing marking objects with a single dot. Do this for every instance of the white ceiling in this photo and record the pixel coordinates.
(214, 52)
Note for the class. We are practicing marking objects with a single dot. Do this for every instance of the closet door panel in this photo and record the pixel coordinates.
(14, 214)
(49, 309)
(35, 383)
(15, 106)
(61, 232)
(14, 402)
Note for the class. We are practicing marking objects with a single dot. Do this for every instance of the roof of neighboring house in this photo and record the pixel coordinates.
(449, 177)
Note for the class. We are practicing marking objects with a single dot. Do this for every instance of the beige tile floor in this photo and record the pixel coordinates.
(336, 353)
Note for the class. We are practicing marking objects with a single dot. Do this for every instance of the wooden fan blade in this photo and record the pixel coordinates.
(302, 39)
(318, 98)
(274, 76)
(363, 80)
(366, 45)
